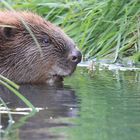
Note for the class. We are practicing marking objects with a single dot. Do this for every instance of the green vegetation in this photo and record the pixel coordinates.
(100, 27)
(14, 88)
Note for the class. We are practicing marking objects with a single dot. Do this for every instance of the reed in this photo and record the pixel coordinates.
(100, 28)
(14, 88)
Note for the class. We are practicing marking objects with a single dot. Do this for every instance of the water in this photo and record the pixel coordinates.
(103, 105)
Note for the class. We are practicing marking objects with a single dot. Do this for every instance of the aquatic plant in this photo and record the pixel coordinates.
(14, 88)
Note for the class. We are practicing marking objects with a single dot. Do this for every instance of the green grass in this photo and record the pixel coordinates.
(99, 27)
(14, 88)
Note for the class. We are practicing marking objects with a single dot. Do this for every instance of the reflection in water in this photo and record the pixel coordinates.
(57, 103)
(109, 107)
(103, 106)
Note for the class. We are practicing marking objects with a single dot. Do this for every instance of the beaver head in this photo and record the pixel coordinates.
(22, 61)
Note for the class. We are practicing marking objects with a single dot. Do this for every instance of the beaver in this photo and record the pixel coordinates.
(22, 61)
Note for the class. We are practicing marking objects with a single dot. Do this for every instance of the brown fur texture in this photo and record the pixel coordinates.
(20, 58)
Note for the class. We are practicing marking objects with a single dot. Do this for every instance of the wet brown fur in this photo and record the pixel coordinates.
(20, 59)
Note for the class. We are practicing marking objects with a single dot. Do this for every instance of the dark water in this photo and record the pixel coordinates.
(104, 105)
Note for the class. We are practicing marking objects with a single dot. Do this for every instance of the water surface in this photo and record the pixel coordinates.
(103, 105)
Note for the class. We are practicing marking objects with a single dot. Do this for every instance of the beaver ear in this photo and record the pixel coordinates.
(7, 32)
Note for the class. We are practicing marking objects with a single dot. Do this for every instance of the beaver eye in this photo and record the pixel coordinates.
(46, 41)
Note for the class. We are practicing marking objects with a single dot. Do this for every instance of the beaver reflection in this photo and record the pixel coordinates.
(60, 103)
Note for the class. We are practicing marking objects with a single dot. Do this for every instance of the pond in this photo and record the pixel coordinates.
(99, 105)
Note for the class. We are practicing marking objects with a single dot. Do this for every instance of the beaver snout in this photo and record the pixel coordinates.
(75, 56)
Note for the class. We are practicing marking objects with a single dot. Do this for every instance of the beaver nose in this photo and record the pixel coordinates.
(76, 57)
